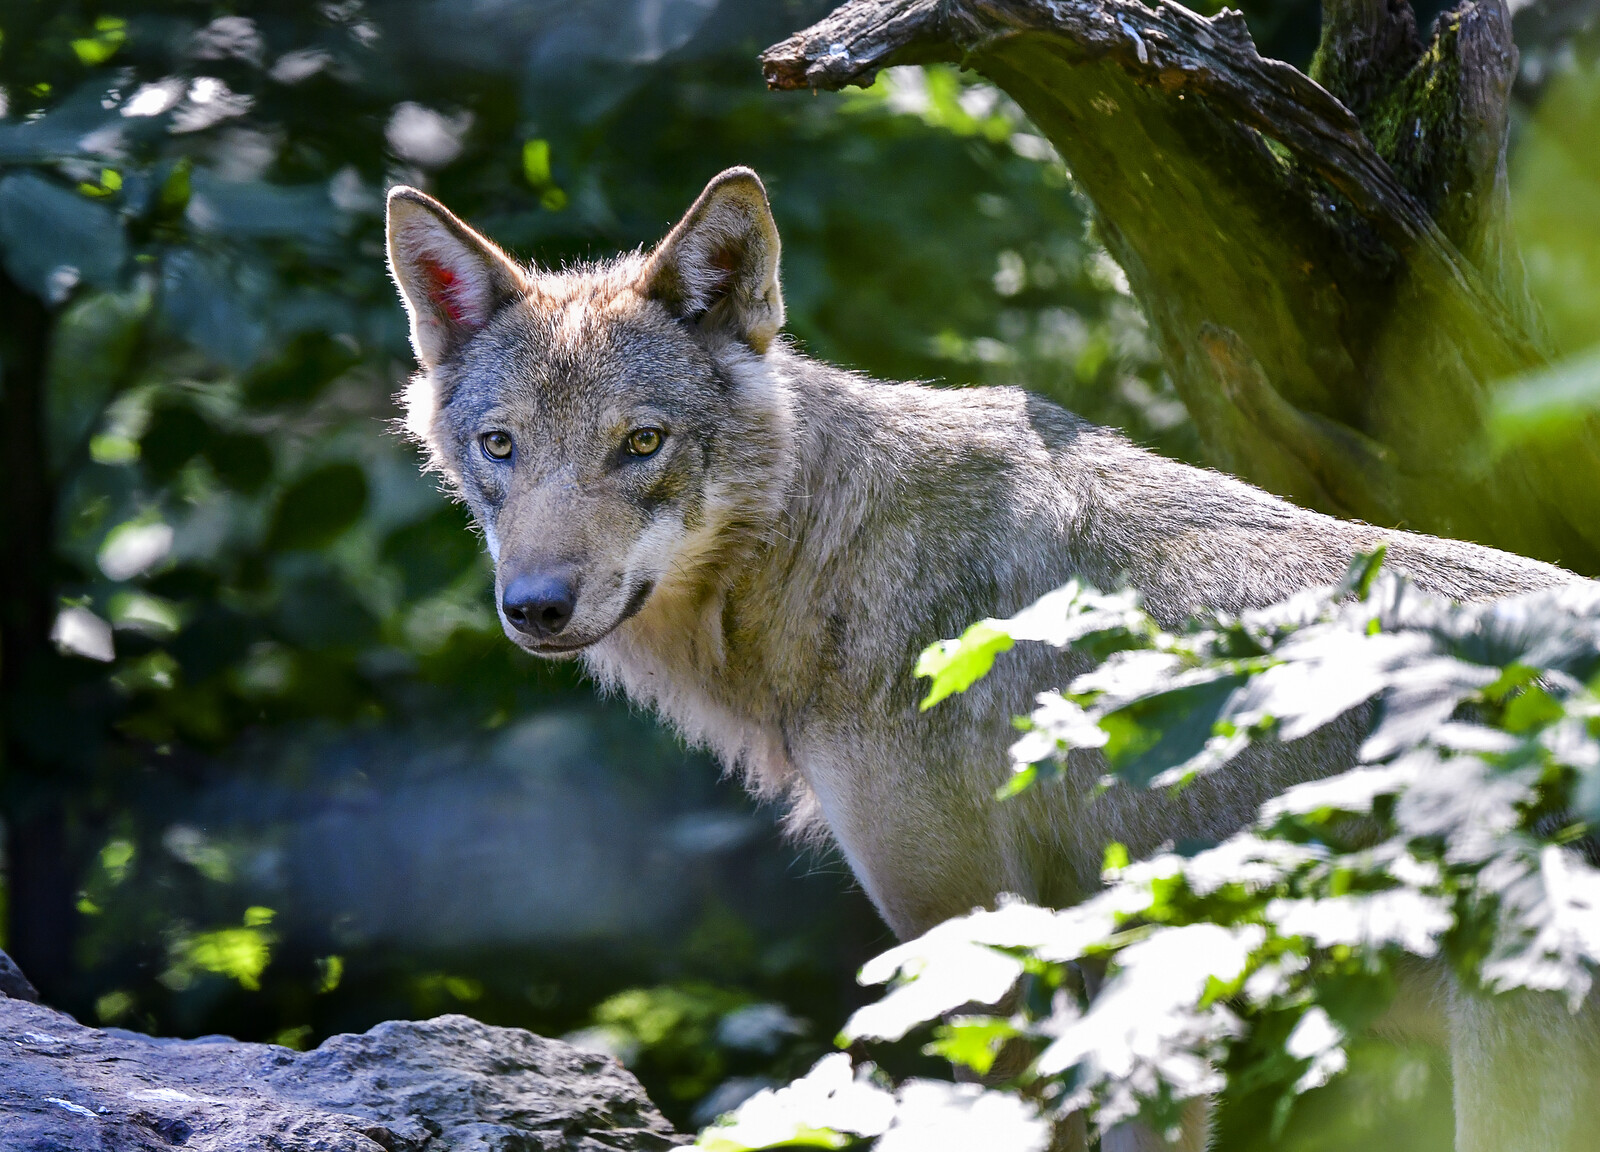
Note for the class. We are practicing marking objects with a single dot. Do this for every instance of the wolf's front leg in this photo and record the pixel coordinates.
(1527, 1073)
(1194, 1122)
(1194, 1135)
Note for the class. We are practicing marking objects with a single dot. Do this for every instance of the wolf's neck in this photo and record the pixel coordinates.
(836, 495)
(695, 653)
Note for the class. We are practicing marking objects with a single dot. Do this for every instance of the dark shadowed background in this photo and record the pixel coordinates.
(270, 768)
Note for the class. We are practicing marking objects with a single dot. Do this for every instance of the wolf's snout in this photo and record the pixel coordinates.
(539, 604)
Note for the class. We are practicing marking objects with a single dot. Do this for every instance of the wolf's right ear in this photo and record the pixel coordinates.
(719, 264)
(452, 279)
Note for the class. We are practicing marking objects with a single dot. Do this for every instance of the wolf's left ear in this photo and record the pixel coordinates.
(452, 279)
(720, 264)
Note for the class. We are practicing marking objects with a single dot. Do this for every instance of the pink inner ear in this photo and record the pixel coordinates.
(725, 259)
(443, 289)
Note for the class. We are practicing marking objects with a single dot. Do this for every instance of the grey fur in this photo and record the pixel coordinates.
(768, 578)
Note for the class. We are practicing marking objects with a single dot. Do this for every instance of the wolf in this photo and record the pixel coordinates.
(758, 545)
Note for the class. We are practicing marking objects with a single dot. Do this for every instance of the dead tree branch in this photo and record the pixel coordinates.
(1323, 258)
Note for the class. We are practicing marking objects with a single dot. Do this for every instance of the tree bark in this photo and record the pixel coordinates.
(40, 879)
(1323, 259)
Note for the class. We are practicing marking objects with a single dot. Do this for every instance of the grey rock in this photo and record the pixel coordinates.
(13, 983)
(449, 1084)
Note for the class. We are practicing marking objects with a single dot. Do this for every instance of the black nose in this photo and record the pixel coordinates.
(540, 603)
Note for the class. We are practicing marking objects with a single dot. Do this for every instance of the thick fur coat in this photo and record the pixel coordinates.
(766, 574)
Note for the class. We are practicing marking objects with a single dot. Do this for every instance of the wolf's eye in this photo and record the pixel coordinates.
(644, 441)
(496, 445)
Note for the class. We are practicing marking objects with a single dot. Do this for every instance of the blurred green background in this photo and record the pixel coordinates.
(277, 773)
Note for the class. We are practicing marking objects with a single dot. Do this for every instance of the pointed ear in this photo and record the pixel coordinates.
(452, 279)
(720, 264)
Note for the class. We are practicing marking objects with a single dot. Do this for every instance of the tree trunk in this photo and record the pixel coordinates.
(40, 879)
(1323, 259)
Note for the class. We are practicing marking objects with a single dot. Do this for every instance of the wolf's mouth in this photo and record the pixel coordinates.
(635, 604)
(636, 601)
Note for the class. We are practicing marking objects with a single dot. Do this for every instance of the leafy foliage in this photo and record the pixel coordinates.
(262, 611)
(1459, 834)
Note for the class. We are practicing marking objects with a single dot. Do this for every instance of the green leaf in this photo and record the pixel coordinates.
(956, 665)
(712, 1141)
(1512, 678)
(317, 507)
(1364, 569)
(109, 34)
(309, 364)
(53, 238)
(1532, 708)
(536, 162)
(241, 460)
(1162, 731)
(240, 953)
(95, 341)
(972, 1041)
(175, 435)
(1020, 782)
(330, 970)
(321, 611)
(176, 188)
(432, 552)
(1545, 404)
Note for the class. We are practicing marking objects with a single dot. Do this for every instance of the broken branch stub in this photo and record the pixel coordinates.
(1332, 289)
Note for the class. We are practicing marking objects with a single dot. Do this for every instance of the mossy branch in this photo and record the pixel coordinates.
(1367, 48)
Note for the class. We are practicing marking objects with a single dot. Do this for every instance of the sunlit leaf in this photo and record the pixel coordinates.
(53, 238)
(972, 1041)
(109, 34)
(536, 162)
(956, 665)
(1546, 403)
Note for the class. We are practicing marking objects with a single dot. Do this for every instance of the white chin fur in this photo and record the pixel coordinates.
(653, 554)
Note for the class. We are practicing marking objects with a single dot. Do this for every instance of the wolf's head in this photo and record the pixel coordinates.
(615, 428)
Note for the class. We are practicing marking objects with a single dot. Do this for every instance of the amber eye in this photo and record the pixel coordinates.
(496, 444)
(644, 441)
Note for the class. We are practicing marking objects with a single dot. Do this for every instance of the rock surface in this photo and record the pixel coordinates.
(13, 983)
(449, 1084)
